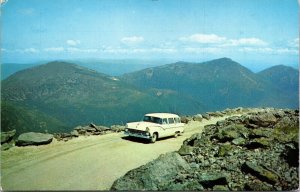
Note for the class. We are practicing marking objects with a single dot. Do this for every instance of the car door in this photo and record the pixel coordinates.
(171, 127)
(164, 128)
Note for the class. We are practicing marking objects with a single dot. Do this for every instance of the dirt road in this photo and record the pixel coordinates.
(84, 163)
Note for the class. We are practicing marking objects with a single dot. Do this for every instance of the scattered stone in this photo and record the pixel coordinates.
(255, 151)
(208, 180)
(185, 150)
(225, 150)
(260, 172)
(239, 141)
(198, 117)
(33, 138)
(7, 136)
(75, 133)
(206, 116)
(220, 188)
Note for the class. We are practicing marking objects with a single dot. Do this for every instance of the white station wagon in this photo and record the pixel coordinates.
(155, 125)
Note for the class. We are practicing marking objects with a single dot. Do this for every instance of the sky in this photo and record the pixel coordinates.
(258, 33)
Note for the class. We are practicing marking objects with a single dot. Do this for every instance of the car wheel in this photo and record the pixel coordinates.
(154, 138)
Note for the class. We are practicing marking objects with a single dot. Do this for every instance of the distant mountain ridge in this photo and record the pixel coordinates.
(66, 95)
(219, 83)
(72, 95)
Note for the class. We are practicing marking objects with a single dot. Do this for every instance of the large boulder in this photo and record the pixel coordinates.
(33, 138)
(262, 120)
(155, 175)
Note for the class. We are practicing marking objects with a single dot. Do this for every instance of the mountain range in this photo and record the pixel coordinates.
(57, 96)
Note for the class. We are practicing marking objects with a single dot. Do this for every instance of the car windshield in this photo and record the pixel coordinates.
(152, 119)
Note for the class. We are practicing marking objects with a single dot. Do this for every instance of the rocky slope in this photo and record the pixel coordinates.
(258, 151)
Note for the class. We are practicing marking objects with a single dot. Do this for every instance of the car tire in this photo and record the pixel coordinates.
(153, 138)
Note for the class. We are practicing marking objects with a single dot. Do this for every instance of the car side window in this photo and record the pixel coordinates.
(164, 121)
(177, 120)
(171, 120)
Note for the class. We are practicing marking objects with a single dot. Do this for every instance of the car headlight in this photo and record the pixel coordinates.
(126, 130)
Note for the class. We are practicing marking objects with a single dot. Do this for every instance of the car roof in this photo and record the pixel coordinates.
(162, 115)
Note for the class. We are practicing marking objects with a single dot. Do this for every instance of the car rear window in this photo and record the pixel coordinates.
(171, 120)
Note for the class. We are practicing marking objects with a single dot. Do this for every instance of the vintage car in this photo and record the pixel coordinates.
(155, 125)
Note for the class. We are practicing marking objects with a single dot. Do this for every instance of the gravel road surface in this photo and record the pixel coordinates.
(84, 163)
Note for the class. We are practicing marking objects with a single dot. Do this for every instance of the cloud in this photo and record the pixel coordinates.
(294, 43)
(54, 49)
(269, 50)
(203, 38)
(222, 41)
(2, 49)
(30, 50)
(73, 42)
(132, 40)
(246, 42)
(74, 49)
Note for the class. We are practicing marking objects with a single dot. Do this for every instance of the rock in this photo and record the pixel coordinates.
(117, 128)
(287, 129)
(206, 116)
(220, 188)
(6, 146)
(92, 125)
(33, 138)
(198, 117)
(102, 128)
(7, 136)
(224, 150)
(259, 143)
(231, 132)
(185, 150)
(78, 128)
(155, 175)
(262, 132)
(185, 119)
(75, 133)
(260, 172)
(208, 180)
(257, 185)
(263, 120)
(239, 141)
(185, 186)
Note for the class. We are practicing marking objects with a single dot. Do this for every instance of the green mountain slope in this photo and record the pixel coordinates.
(219, 83)
(283, 77)
(25, 120)
(75, 95)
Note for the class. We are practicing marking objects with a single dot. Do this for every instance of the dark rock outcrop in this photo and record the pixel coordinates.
(33, 138)
(156, 175)
(258, 151)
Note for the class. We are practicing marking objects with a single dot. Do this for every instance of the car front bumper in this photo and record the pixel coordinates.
(144, 135)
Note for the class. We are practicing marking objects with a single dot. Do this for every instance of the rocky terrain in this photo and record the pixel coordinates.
(258, 151)
(9, 139)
